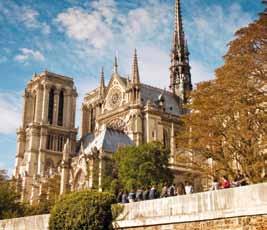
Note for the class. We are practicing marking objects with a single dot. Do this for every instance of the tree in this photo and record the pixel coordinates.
(10, 207)
(82, 210)
(228, 115)
(142, 166)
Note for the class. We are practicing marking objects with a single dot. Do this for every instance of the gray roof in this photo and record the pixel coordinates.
(153, 94)
(109, 140)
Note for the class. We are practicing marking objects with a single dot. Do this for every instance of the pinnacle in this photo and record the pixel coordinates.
(135, 70)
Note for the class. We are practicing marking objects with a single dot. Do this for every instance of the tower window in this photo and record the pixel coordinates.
(60, 109)
(51, 106)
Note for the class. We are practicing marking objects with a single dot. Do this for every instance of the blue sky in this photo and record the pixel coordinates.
(76, 38)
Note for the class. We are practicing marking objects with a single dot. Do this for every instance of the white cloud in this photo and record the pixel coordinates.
(29, 54)
(22, 14)
(10, 112)
(84, 26)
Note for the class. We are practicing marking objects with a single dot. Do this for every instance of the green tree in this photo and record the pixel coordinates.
(142, 166)
(82, 210)
(228, 115)
(10, 206)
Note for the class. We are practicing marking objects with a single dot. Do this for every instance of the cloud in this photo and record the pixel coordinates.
(29, 54)
(91, 27)
(25, 15)
(10, 112)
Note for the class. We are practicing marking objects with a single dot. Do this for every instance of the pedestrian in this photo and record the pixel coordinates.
(171, 190)
(146, 193)
(131, 196)
(124, 198)
(164, 191)
(240, 179)
(188, 188)
(180, 189)
(153, 193)
(119, 197)
(224, 183)
(139, 195)
(215, 184)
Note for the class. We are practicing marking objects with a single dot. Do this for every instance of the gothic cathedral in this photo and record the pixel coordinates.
(123, 112)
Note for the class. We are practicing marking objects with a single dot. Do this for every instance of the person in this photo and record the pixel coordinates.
(224, 183)
(180, 189)
(164, 191)
(131, 196)
(146, 193)
(171, 190)
(119, 197)
(139, 195)
(188, 188)
(152, 193)
(124, 198)
(240, 179)
(215, 184)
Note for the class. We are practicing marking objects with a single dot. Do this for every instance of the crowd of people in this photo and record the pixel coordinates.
(152, 192)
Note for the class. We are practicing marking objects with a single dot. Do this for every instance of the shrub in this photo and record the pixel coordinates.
(82, 210)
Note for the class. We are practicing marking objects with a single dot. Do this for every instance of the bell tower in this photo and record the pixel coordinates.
(180, 76)
(48, 122)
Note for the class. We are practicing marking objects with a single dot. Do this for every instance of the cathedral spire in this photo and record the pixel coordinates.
(115, 67)
(135, 70)
(180, 77)
(102, 82)
(178, 40)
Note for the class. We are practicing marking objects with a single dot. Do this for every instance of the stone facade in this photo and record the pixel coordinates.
(48, 121)
(123, 112)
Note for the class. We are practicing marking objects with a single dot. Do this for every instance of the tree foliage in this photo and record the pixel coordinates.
(228, 115)
(142, 166)
(10, 206)
(82, 210)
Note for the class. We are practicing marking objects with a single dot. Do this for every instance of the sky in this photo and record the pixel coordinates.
(77, 37)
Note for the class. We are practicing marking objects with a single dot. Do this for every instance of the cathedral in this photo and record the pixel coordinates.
(122, 112)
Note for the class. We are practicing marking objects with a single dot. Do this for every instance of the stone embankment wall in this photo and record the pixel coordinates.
(238, 208)
(26, 223)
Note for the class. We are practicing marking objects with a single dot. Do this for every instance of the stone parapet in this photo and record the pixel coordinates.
(228, 203)
(26, 223)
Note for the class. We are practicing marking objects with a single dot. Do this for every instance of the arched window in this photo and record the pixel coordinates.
(51, 106)
(60, 108)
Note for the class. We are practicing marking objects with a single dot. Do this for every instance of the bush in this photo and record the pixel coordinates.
(82, 210)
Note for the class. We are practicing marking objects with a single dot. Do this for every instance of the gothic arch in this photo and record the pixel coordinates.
(79, 182)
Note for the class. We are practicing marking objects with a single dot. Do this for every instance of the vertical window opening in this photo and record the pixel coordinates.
(51, 106)
(60, 109)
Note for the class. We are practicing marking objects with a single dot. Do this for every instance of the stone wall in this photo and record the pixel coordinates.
(26, 223)
(195, 210)
(237, 223)
(238, 208)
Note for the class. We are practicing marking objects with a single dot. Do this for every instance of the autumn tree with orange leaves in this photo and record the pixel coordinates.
(227, 124)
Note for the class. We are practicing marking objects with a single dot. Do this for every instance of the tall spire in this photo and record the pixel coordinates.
(102, 82)
(115, 67)
(135, 70)
(178, 26)
(180, 77)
